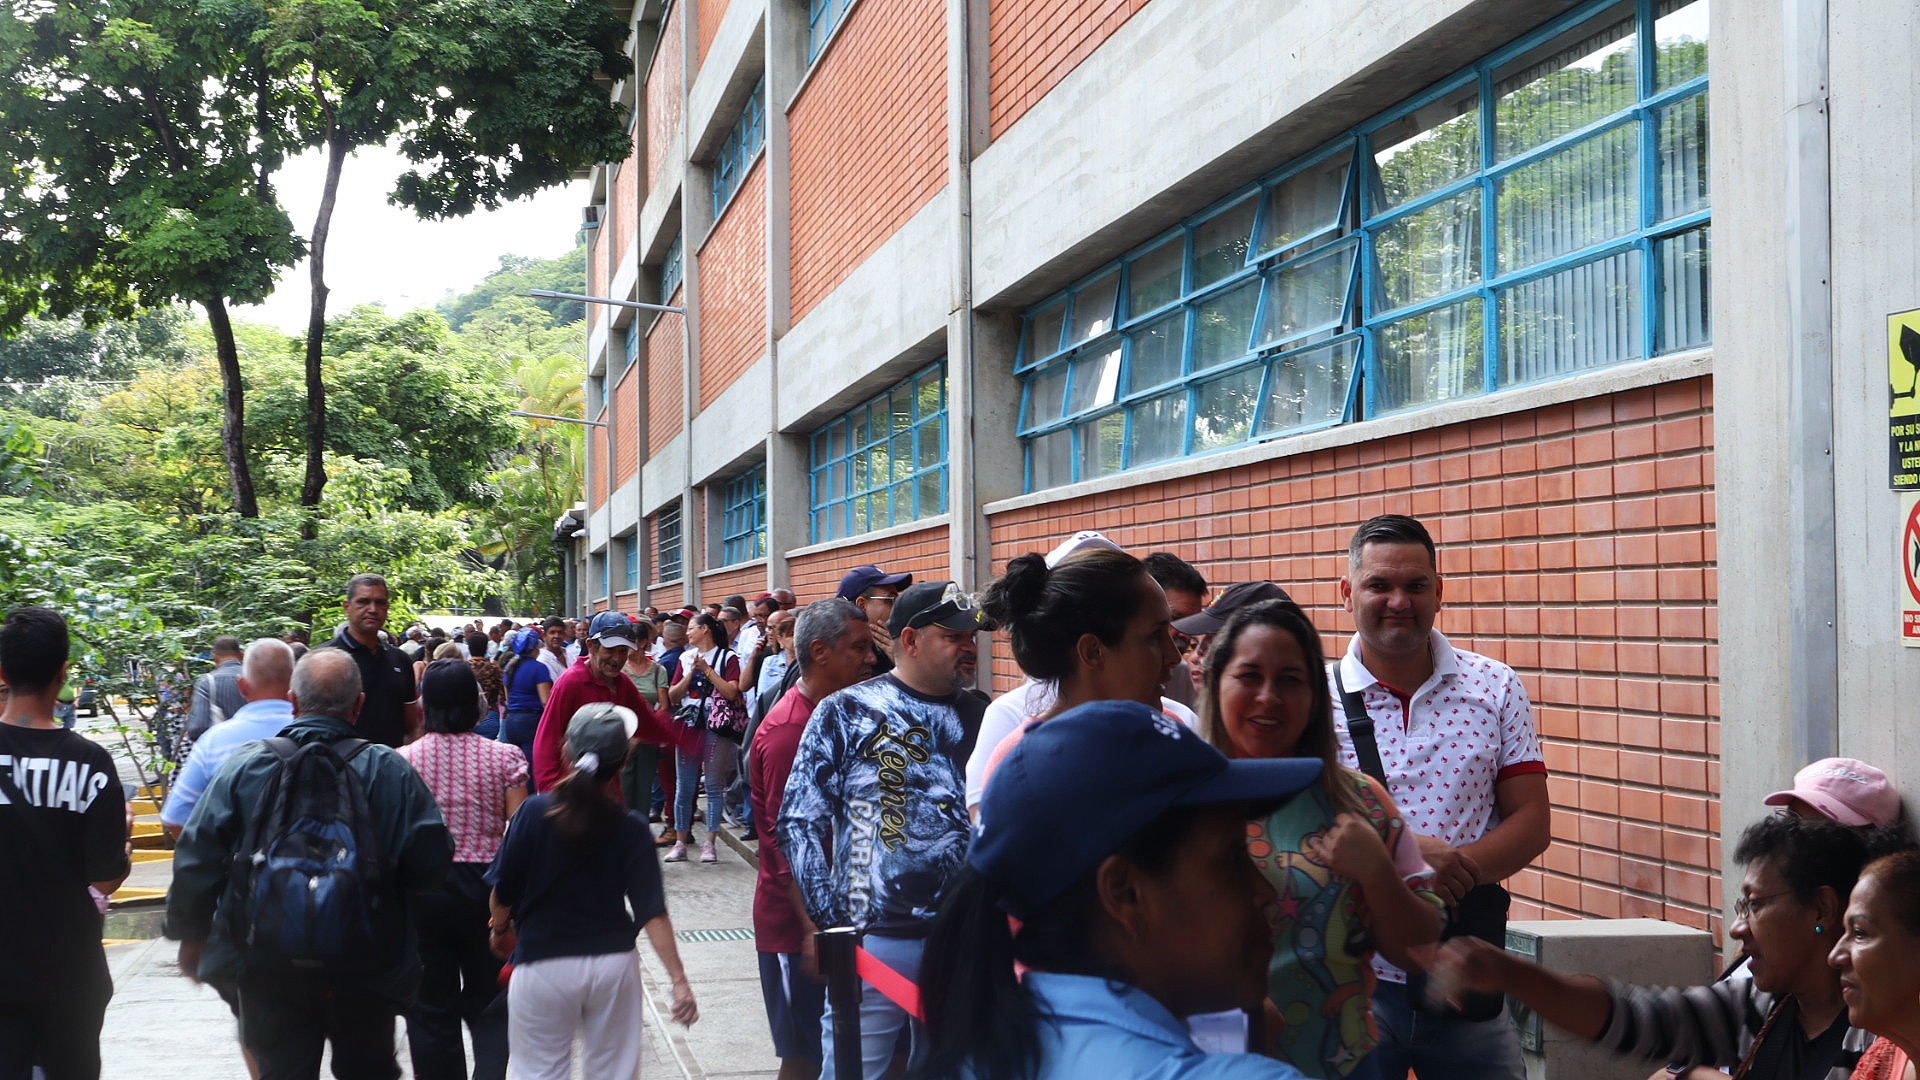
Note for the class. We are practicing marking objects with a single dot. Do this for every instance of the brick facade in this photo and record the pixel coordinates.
(596, 467)
(663, 91)
(749, 580)
(921, 552)
(869, 140)
(626, 437)
(708, 15)
(666, 392)
(1033, 44)
(733, 288)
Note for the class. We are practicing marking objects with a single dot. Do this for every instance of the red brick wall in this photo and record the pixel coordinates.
(665, 389)
(624, 215)
(1577, 545)
(733, 288)
(597, 275)
(1033, 44)
(748, 581)
(626, 433)
(869, 140)
(707, 17)
(597, 472)
(663, 94)
(922, 553)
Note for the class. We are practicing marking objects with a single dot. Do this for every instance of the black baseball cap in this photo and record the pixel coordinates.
(861, 578)
(936, 603)
(1233, 599)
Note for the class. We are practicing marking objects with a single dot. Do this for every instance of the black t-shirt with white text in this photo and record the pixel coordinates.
(62, 826)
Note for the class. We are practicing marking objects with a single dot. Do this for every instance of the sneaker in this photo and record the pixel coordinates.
(707, 854)
(653, 817)
(667, 836)
(750, 834)
(677, 854)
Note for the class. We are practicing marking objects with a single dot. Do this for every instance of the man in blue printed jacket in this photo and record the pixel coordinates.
(874, 819)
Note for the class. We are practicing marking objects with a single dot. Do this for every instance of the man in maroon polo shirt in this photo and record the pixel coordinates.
(599, 675)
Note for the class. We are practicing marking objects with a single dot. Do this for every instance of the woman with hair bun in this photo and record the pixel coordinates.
(576, 880)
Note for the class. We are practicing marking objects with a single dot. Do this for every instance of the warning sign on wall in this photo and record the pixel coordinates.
(1910, 569)
(1903, 399)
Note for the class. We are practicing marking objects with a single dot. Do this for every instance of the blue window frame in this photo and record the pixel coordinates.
(741, 146)
(670, 271)
(743, 528)
(632, 544)
(1544, 212)
(632, 350)
(666, 544)
(822, 17)
(885, 462)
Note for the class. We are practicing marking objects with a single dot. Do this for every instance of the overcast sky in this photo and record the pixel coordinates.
(383, 253)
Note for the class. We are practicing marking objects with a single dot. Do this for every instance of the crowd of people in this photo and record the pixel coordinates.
(1188, 843)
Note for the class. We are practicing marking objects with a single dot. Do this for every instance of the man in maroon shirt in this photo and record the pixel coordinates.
(599, 675)
(833, 646)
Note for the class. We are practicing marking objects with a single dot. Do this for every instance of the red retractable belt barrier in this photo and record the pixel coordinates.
(894, 986)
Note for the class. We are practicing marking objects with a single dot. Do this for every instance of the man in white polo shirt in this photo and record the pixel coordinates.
(1456, 740)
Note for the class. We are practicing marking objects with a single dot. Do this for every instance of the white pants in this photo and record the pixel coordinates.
(595, 997)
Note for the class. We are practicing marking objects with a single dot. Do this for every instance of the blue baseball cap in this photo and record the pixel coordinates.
(612, 628)
(1127, 762)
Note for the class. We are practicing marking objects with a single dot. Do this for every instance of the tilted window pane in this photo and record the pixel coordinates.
(1431, 357)
(1305, 204)
(1686, 294)
(1307, 296)
(1429, 252)
(1157, 348)
(1309, 387)
(1223, 410)
(1050, 459)
(1223, 325)
(1043, 332)
(1578, 197)
(1564, 84)
(1093, 309)
(1426, 149)
(1159, 429)
(1684, 171)
(1044, 393)
(1679, 42)
(1153, 278)
(1220, 244)
(1584, 317)
(1100, 444)
(1096, 379)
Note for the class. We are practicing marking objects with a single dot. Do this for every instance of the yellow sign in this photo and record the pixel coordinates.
(1903, 399)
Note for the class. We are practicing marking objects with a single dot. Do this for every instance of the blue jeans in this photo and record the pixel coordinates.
(710, 761)
(519, 728)
(1437, 1048)
(880, 1019)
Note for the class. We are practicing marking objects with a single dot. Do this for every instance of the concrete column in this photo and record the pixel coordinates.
(788, 493)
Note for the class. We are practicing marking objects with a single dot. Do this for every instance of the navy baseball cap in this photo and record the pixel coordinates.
(612, 628)
(936, 603)
(861, 578)
(1131, 764)
(1233, 599)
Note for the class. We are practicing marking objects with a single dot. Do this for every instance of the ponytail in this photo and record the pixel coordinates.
(981, 1021)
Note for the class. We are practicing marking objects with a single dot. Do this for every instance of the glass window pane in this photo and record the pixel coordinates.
(1304, 204)
(1576, 198)
(1223, 325)
(1050, 459)
(1679, 42)
(1566, 83)
(877, 423)
(859, 483)
(1429, 252)
(902, 414)
(1431, 357)
(1156, 352)
(1159, 429)
(1686, 294)
(929, 452)
(1153, 278)
(900, 455)
(1096, 379)
(927, 397)
(1044, 391)
(1427, 149)
(1683, 158)
(1043, 332)
(933, 492)
(1100, 443)
(1223, 410)
(1309, 387)
(1307, 296)
(1584, 317)
(1093, 309)
(836, 441)
(903, 502)
(1220, 244)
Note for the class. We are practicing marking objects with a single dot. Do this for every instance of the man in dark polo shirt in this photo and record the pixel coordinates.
(391, 713)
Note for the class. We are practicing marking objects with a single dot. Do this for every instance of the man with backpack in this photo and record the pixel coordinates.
(293, 879)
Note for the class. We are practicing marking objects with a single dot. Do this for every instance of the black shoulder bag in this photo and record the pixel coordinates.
(1482, 913)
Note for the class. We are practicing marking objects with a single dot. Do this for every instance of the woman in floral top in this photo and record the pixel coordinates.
(1350, 879)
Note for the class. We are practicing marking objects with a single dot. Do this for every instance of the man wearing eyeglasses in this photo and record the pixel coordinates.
(873, 820)
(876, 591)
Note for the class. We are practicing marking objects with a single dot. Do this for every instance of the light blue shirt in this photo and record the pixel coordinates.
(254, 721)
(1095, 1027)
(772, 670)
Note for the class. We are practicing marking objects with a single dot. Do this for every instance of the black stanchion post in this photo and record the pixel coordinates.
(834, 948)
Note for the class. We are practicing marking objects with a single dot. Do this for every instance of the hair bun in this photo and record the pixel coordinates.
(1019, 591)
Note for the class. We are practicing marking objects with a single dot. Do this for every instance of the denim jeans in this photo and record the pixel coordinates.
(1437, 1048)
(708, 761)
(519, 728)
(880, 1019)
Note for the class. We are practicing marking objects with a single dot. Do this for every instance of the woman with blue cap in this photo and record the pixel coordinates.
(528, 683)
(1147, 911)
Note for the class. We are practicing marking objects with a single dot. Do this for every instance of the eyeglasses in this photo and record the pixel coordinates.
(1747, 906)
(887, 600)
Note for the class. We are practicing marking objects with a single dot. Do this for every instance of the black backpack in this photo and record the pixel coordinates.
(309, 885)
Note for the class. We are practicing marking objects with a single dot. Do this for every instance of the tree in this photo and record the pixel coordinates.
(507, 286)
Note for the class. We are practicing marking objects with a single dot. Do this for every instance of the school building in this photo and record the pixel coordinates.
(1225, 279)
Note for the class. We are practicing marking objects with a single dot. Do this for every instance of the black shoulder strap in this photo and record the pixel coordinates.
(1360, 729)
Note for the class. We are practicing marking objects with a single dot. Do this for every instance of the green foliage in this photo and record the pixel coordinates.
(501, 295)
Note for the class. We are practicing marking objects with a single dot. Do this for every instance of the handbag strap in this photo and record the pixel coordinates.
(1360, 729)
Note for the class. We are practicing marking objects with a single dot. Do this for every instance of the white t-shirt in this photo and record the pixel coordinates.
(1016, 707)
(555, 666)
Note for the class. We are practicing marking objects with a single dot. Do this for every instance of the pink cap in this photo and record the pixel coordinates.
(1849, 791)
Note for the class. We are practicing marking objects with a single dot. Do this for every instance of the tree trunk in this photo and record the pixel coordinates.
(233, 435)
(316, 477)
